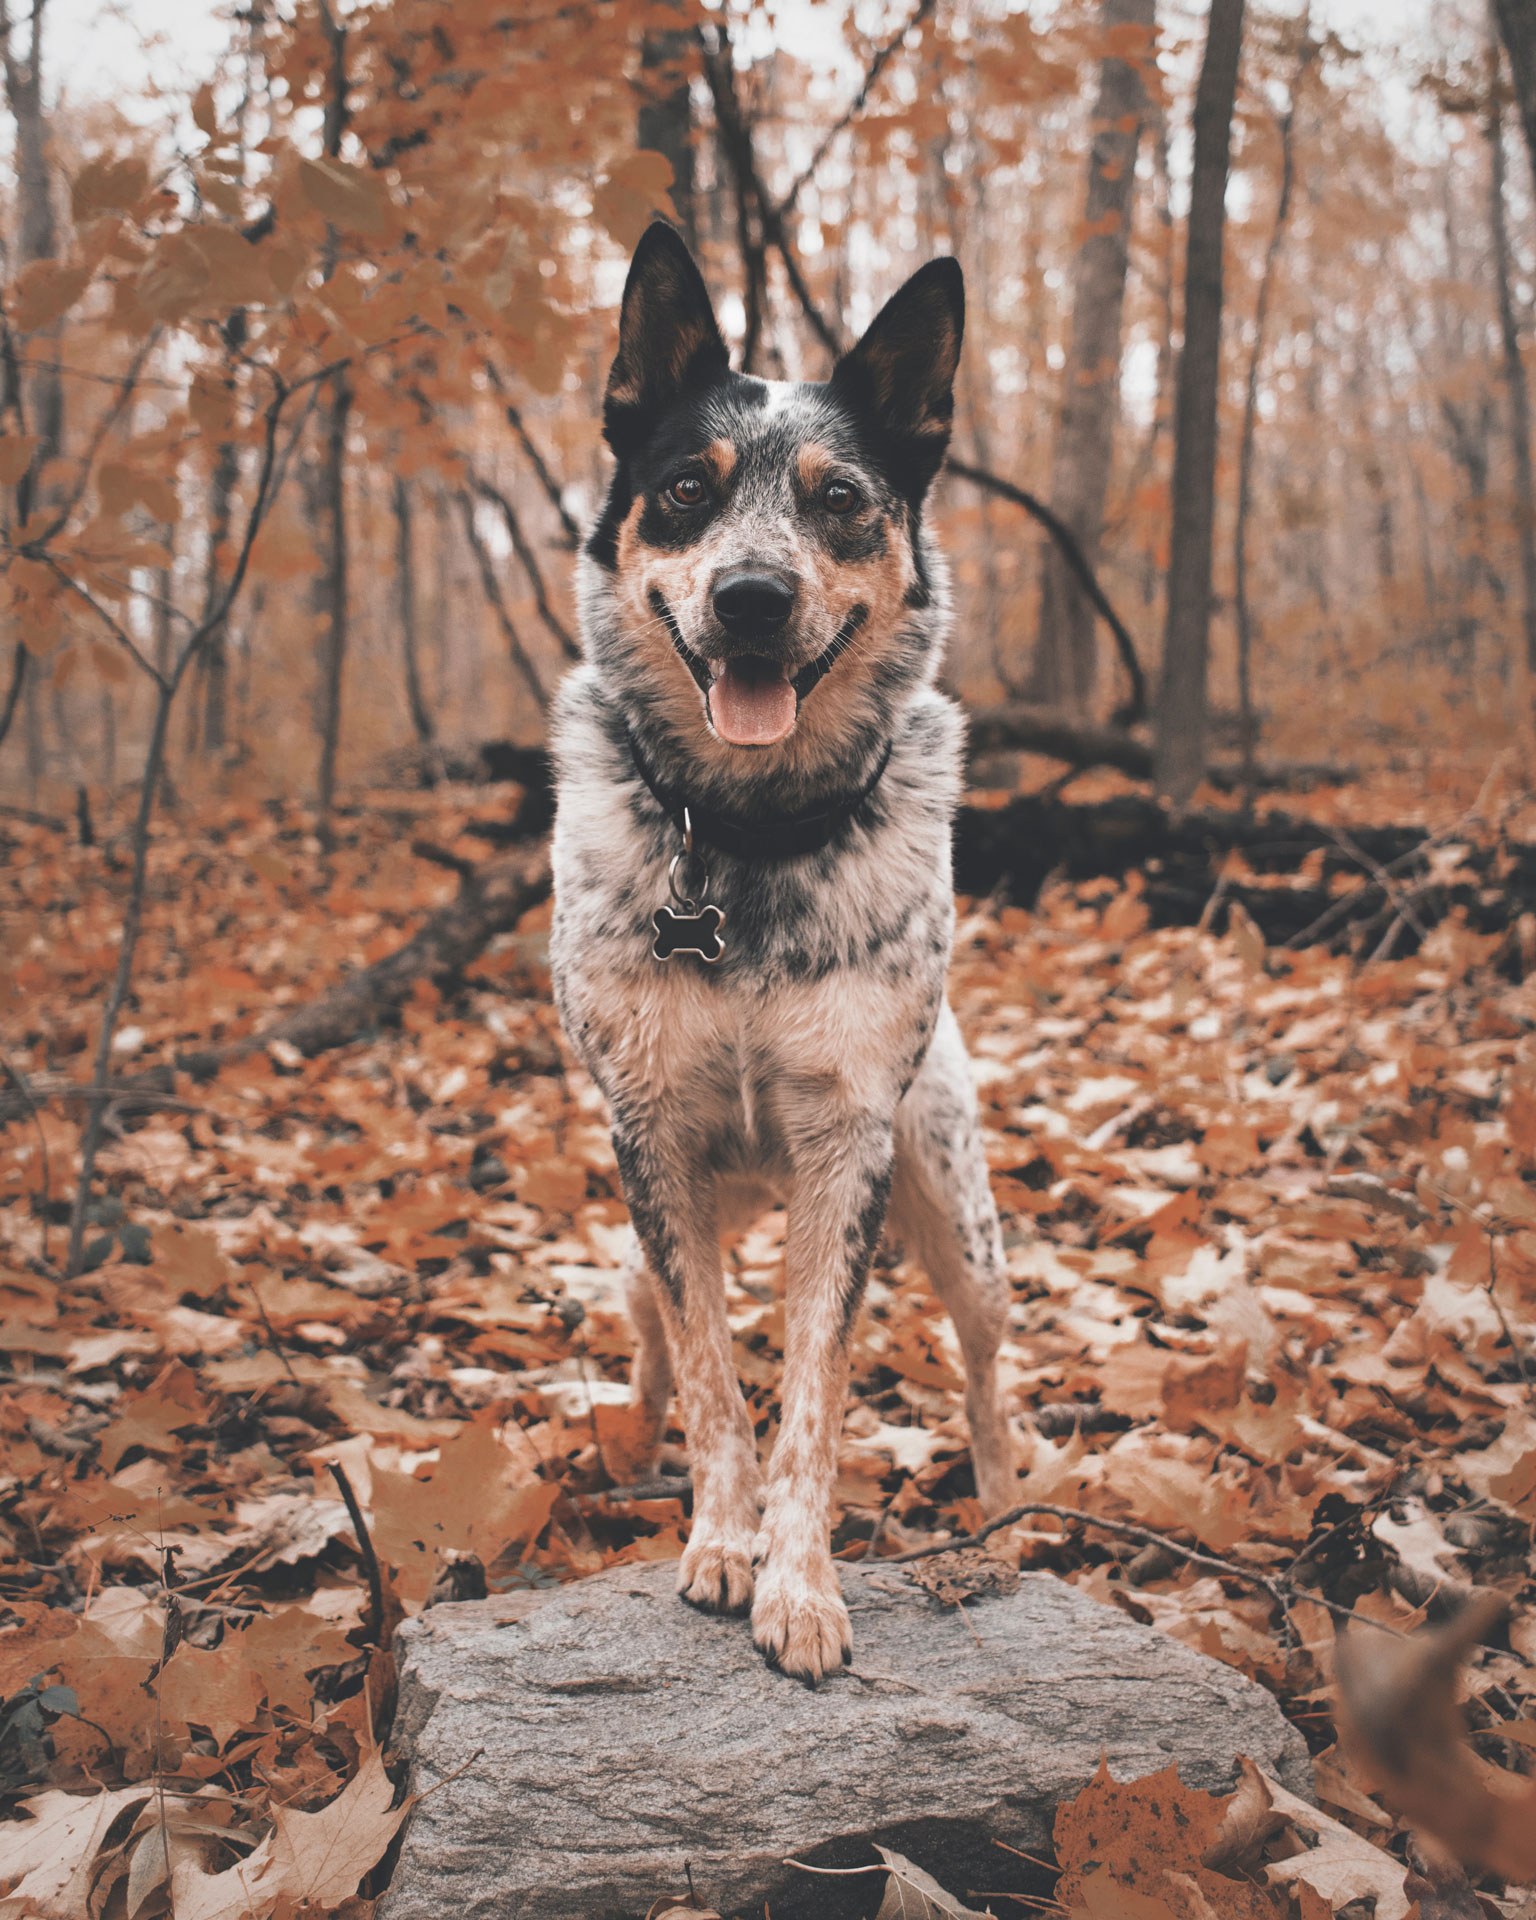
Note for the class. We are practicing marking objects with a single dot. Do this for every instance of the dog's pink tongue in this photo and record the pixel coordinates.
(751, 703)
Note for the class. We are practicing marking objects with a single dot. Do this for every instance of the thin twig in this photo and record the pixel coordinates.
(552, 488)
(374, 1624)
(149, 784)
(1280, 1591)
(1498, 1307)
(277, 1345)
(663, 1487)
(529, 562)
(497, 603)
(1382, 876)
(856, 106)
(104, 426)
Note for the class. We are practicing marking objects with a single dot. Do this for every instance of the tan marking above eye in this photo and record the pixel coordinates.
(813, 463)
(720, 458)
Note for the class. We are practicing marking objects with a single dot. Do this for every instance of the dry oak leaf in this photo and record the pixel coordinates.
(1339, 1866)
(315, 1857)
(107, 185)
(283, 1647)
(189, 1260)
(151, 1419)
(1398, 1718)
(49, 1859)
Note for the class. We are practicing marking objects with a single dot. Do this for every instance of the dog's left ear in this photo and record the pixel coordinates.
(669, 342)
(901, 375)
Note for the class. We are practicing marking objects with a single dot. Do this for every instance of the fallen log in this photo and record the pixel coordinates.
(1009, 852)
(1014, 726)
(1006, 853)
(492, 898)
(1009, 726)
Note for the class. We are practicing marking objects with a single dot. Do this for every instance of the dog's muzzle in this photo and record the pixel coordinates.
(752, 698)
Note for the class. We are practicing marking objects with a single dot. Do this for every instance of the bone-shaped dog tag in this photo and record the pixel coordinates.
(689, 933)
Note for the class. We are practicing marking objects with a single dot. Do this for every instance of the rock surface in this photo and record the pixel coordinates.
(619, 1733)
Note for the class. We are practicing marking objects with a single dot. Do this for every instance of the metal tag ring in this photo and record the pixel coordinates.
(685, 897)
(686, 900)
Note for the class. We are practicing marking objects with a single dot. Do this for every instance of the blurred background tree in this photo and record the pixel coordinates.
(410, 220)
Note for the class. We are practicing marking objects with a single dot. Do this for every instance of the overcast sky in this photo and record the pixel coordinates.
(97, 47)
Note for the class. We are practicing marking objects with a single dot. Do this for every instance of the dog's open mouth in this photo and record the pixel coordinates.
(751, 700)
(754, 701)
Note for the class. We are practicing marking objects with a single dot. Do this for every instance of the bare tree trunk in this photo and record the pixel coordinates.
(405, 600)
(1517, 28)
(1066, 656)
(330, 491)
(221, 488)
(37, 235)
(666, 116)
(1514, 367)
(40, 408)
(1305, 54)
(331, 588)
(1181, 713)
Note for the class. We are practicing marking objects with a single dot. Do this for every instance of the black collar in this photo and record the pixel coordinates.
(772, 836)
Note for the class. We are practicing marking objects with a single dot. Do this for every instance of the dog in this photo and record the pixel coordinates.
(753, 901)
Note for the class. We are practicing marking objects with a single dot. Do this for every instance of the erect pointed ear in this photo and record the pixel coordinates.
(901, 376)
(668, 340)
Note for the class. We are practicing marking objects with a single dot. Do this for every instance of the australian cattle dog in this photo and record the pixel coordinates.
(753, 904)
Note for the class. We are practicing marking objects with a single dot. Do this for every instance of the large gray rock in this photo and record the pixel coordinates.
(619, 1733)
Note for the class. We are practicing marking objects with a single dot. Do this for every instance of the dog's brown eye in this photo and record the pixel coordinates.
(687, 491)
(839, 497)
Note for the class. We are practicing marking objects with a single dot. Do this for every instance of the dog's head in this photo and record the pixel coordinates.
(758, 582)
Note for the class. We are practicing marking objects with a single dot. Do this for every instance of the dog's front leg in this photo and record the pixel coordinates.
(842, 1183)
(672, 1200)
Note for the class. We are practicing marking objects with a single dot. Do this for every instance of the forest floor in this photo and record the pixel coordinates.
(1271, 1224)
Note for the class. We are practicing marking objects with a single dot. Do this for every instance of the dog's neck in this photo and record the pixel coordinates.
(767, 833)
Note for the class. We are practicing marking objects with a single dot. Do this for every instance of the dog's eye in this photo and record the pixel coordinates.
(838, 497)
(687, 491)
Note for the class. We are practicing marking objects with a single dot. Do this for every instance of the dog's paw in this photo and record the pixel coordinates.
(716, 1572)
(799, 1622)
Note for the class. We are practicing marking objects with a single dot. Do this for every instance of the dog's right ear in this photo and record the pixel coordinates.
(669, 342)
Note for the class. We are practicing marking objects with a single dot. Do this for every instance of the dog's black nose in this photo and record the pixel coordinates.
(751, 604)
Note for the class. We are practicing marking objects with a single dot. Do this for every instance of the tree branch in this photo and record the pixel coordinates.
(529, 561)
(496, 603)
(856, 106)
(546, 479)
(1135, 708)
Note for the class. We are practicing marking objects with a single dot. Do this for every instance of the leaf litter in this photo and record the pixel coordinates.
(1270, 1219)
